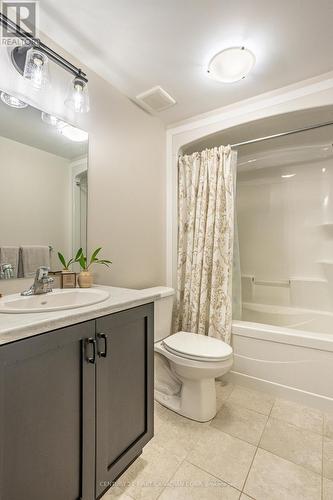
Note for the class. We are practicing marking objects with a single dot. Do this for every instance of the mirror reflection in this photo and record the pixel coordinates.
(43, 189)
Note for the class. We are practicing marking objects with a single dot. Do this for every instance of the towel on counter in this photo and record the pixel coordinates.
(32, 257)
(10, 255)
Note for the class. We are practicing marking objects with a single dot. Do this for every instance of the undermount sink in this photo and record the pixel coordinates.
(53, 301)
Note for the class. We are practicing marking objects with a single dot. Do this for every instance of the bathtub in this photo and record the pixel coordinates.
(285, 351)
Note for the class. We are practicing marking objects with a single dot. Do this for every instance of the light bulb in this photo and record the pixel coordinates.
(12, 101)
(50, 119)
(36, 68)
(78, 96)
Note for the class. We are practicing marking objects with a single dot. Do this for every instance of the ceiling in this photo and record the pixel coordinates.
(140, 44)
(26, 126)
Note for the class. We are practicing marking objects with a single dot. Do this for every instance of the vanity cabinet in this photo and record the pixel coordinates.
(76, 407)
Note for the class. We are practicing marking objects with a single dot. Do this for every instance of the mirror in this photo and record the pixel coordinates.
(43, 189)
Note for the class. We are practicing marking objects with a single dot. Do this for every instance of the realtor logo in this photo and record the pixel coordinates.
(24, 14)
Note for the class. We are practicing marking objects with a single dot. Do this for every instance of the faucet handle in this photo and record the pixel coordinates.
(42, 272)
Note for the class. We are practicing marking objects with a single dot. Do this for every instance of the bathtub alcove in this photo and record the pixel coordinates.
(283, 341)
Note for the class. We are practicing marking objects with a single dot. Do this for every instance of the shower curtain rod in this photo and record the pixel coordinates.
(281, 134)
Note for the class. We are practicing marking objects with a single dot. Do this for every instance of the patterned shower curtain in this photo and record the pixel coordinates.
(205, 242)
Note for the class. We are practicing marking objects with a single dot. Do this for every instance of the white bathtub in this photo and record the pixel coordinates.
(286, 351)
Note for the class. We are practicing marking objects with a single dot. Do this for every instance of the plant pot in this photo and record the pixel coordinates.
(85, 279)
(68, 279)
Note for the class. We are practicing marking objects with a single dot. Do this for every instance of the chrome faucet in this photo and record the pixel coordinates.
(41, 284)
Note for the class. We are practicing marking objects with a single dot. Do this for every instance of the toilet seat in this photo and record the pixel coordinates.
(197, 347)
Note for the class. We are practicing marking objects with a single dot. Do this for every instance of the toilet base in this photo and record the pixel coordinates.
(197, 399)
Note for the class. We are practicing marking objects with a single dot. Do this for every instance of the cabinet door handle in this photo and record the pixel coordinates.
(103, 354)
(91, 341)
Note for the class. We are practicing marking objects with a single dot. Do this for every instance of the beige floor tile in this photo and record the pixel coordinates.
(159, 416)
(192, 483)
(223, 391)
(299, 415)
(240, 422)
(147, 476)
(253, 400)
(273, 478)
(327, 489)
(223, 456)
(328, 458)
(292, 443)
(116, 493)
(328, 425)
(245, 497)
(176, 434)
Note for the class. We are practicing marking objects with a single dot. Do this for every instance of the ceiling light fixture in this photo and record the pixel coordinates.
(231, 65)
(31, 60)
(12, 101)
(74, 134)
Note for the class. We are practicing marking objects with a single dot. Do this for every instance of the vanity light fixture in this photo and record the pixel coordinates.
(52, 120)
(78, 96)
(36, 68)
(12, 101)
(231, 64)
(31, 60)
(74, 134)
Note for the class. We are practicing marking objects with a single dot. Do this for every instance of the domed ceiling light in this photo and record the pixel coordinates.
(231, 65)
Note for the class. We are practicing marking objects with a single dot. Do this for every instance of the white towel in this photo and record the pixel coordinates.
(10, 255)
(33, 257)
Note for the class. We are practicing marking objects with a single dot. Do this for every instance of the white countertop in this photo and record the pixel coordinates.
(19, 326)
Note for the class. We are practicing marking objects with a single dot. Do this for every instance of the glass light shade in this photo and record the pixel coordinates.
(74, 134)
(12, 101)
(231, 65)
(78, 96)
(52, 120)
(36, 68)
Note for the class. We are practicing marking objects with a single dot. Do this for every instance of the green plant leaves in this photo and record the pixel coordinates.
(78, 255)
(62, 260)
(83, 260)
(94, 255)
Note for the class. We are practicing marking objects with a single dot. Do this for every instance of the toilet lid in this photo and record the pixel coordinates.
(194, 346)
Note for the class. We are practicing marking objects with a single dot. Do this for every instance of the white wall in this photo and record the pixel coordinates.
(286, 227)
(34, 197)
(126, 208)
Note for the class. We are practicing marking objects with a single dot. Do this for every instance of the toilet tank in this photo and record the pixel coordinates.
(163, 312)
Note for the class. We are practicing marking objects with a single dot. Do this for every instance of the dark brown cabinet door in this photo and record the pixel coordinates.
(124, 390)
(47, 417)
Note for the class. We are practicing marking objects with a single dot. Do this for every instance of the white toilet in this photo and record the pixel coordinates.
(193, 360)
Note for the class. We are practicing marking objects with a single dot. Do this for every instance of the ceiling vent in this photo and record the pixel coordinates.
(156, 99)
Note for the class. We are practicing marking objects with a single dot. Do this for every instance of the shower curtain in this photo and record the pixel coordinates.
(206, 206)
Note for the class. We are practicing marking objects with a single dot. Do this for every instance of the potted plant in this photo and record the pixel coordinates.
(68, 278)
(68, 263)
(85, 277)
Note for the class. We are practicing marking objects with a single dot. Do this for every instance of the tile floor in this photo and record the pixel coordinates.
(257, 447)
